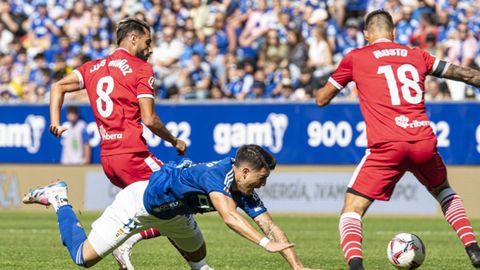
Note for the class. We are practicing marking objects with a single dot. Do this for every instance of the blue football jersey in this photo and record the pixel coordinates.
(183, 189)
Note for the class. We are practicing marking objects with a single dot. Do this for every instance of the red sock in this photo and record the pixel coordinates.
(150, 233)
(351, 235)
(454, 211)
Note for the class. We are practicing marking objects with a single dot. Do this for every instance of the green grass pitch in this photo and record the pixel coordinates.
(31, 241)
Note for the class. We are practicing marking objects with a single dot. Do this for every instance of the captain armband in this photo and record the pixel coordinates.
(440, 68)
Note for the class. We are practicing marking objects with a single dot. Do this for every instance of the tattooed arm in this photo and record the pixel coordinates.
(458, 73)
(273, 232)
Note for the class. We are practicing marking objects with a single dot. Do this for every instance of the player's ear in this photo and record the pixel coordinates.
(365, 35)
(245, 171)
(133, 38)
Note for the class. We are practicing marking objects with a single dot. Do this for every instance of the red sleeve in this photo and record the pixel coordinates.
(428, 59)
(80, 72)
(343, 74)
(145, 82)
(433, 65)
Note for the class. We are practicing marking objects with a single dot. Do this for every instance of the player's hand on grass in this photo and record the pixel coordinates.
(181, 147)
(57, 130)
(273, 246)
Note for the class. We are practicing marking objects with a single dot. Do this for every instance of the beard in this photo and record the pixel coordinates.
(143, 55)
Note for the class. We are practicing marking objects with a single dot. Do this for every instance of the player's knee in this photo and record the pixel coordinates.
(198, 254)
(438, 189)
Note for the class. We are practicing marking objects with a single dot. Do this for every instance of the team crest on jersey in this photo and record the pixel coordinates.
(150, 82)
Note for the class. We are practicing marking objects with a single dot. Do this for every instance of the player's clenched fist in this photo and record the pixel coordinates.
(57, 130)
(181, 147)
(277, 246)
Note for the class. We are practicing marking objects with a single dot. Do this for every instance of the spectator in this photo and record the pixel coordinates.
(433, 91)
(6, 37)
(217, 93)
(199, 14)
(297, 52)
(307, 83)
(198, 78)
(75, 147)
(78, 18)
(404, 28)
(165, 57)
(192, 46)
(427, 27)
(11, 20)
(258, 90)
(462, 52)
(350, 38)
(42, 28)
(273, 48)
(319, 53)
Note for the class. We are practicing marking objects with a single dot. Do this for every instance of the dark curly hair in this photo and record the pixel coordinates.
(128, 25)
(255, 156)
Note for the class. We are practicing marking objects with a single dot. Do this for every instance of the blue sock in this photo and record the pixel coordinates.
(72, 234)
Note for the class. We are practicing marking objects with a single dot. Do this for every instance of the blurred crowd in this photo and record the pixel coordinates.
(230, 49)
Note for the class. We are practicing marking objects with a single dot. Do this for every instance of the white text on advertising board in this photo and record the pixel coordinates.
(268, 134)
(23, 135)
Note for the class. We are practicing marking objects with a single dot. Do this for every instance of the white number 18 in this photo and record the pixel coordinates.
(407, 83)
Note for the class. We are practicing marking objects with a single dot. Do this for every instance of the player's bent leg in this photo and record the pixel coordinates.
(90, 256)
(455, 214)
(186, 236)
(350, 228)
(194, 255)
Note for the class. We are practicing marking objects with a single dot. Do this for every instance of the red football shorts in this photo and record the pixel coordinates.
(383, 165)
(124, 169)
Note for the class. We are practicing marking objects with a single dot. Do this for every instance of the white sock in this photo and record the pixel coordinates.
(134, 239)
(199, 265)
(58, 201)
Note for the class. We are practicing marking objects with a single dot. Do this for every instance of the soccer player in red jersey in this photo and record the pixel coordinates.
(390, 82)
(120, 90)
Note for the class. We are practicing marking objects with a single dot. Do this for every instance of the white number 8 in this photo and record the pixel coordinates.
(104, 96)
(407, 83)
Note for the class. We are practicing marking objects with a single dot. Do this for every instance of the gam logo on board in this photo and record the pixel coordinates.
(268, 134)
(23, 135)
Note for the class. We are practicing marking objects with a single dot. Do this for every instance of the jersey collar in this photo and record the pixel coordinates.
(381, 40)
(122, 49)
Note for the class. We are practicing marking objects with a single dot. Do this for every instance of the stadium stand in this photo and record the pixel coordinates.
(230, 49)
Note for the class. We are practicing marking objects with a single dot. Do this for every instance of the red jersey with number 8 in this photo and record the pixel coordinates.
(390, 81)
(114, 84)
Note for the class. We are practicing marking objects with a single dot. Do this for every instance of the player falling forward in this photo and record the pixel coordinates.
(168, 201)
(120, 89)
(390, 82)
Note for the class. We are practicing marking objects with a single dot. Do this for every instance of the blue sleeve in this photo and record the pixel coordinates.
(214, 183)
(251, 204)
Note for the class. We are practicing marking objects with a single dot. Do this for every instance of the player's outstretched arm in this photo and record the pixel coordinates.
(69, 83)
(326, 94)
(153, 122)
(463, 74)
(272, 231)
(227, 209)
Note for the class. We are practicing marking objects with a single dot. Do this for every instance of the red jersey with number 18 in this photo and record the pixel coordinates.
(114, 84)
(390, 82)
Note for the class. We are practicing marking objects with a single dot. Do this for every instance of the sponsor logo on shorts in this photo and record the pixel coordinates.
(404, 122)
(112, 136)
(129, 226)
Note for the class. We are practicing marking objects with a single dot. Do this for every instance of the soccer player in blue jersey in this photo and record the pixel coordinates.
(168, 202)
